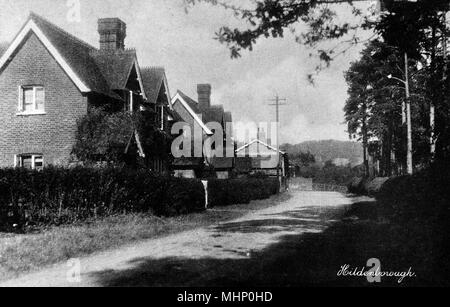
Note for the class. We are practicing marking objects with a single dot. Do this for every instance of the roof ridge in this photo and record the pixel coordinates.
(153, 67)
(62, 31)
(130, 51)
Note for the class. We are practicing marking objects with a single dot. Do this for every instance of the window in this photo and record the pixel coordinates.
(31, 100)
(30, 161)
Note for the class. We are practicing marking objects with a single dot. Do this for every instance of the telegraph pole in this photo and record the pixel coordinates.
(409, 157)
(278, 102)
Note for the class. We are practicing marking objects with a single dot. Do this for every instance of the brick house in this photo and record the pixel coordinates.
(198, 115)
(49, 79)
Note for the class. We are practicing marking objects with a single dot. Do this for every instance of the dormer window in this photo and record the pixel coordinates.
(31, 100)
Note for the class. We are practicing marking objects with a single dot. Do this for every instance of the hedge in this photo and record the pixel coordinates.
(57, 196)
(358, 186)
(366, 186)
(424, 194)
(225, 192)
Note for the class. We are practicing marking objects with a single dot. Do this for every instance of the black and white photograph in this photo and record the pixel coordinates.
(224, 148)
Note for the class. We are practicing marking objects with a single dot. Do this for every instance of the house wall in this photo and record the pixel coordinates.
(51, 134)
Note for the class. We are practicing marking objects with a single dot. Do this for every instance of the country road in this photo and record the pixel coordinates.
(228, 253)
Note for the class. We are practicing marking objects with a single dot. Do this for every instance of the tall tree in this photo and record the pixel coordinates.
(416, 28)
(373, 110)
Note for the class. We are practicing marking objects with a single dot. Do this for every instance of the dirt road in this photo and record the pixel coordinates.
(217, 255)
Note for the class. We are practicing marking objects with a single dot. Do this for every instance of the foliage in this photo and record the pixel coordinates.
(104, 136)
(366, 186)
(325, 150)
(403, 24)
(416, 28)
(332, 174)
(424, 194)
(407, 25)
(301, 159)
(57, 196)
(269, 18)
(225, 192)
(373, 110)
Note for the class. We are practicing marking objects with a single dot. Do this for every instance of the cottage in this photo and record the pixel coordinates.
(258, 156)
(50, 78)
(199, 115)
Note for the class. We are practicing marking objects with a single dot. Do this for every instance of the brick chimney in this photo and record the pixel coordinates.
(112, 33)
(204, 96)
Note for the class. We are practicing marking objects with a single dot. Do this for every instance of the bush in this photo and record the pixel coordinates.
(421, 204)
(424, 194)
(374, 186)
(366, 186)
(358, 186)
(225, 192)
(57, 196)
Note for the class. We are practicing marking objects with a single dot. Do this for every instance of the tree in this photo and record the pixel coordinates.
(103, 136)
(375, 116)
(417, 29)
(405, 22)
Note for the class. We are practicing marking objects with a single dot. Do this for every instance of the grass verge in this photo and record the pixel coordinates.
(26, 253)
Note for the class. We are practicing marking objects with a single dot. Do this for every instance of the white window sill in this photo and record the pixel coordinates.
(31, 113)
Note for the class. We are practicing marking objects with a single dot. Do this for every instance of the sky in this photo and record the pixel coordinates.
(164, 34)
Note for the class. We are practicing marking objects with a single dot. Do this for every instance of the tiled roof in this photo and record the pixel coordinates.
(152, 79)
(213, 114)
(191, 102)
(76, 53)
(115, 66)
(100, 71)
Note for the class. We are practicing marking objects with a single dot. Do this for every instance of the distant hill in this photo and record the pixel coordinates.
(327, 150)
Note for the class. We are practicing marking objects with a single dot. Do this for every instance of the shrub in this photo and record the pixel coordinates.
(424, 194)
(225, 192)
(358, 186)
(103, 135)
(374, 186)
(57, 196)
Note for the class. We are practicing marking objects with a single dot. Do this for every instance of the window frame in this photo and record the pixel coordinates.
(21, 106)
(18, 160)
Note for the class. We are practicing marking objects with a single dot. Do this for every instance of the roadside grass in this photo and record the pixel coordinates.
(21, 254)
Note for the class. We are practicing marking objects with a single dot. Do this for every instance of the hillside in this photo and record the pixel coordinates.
(326, 150)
